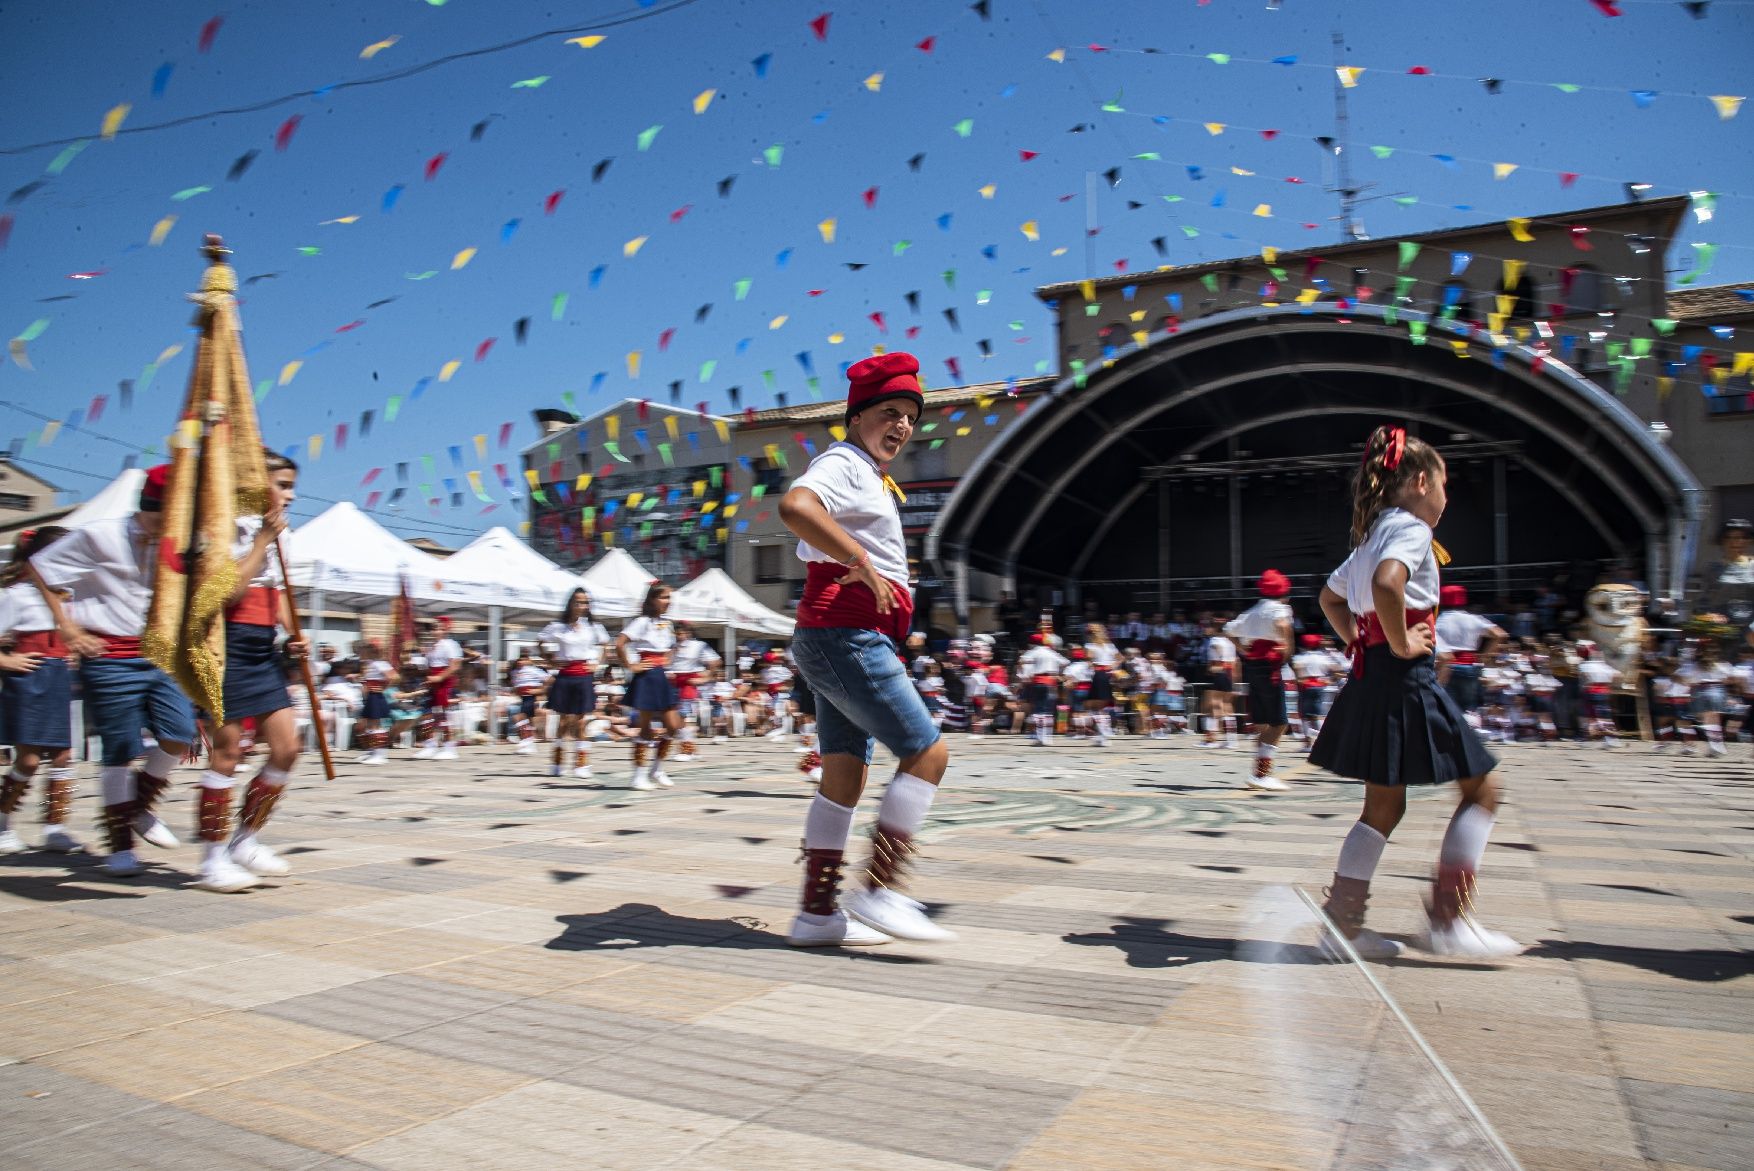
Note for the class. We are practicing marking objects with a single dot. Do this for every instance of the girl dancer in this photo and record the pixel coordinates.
(854, 612)
(1313, 667)
(1104, 657)
(1041, 664)
(688, 669)
(645, 646)
(1264, 632)
(444, 662)
(377, 675)
(576, 643)
(255, 688)
(1392, 725)
(34, 705)
(529, 681)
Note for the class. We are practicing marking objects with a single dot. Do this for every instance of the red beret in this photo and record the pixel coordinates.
(152, 490)
(1078, 652)
(886, 376)
(1037, 639)
(1452, 596)
(1311, 642)
(1274, 584)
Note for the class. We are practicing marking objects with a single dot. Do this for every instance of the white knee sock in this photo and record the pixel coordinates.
(215, 780)
(1265, 751)
(118, 784)
(827, 825)
(905, 803)
(1464, 843)
(1360, 853)
(158, 763)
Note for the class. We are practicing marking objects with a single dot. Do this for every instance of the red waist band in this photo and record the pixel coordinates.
(117, 646)
(260, 606)
(46, 643)
(1370, 633)
(1264, 650)
(575, 667)
(1464, 658)
(828, 603)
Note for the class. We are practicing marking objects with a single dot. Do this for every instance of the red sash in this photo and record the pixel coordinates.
(686, 682)
(260, 606)
(653, 658)
(118, 646)
(376, 685)
(827, 603)
(574, 668)
(1464, 658)
(1045, 680)
(439, 691)
(1370, 633)
(1264, 650)
(46, 643)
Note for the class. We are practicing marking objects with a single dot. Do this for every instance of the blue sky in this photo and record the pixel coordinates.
(984, 92)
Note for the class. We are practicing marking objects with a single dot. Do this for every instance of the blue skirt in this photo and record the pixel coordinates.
(34, 707)
(576, 695)
(377, 706)
(1393, 725)
(650, 691)
(255, 683)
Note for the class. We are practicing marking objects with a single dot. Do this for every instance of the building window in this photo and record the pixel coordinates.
(769, 475)
(1580, 289)
(770, 564)
(15, 501)
(926, 464)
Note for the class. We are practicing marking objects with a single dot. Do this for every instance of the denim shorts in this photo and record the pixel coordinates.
(863, 693)
(123, 696)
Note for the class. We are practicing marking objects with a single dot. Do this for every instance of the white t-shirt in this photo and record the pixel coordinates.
(1260, 622)
(649, 635)
(1398, 535)
(1596, 673)
(377, 671)
(1078, 671)
(775, 675)
(692, 657)
(1040, 660)
(22, 609)
(1312, 664)
(582, 642)
(108, 566)
(1460, 630)
(442, 654)
(850, 486)
(248, 527)
(529, 676)
(1220, 652)
(1103, 654)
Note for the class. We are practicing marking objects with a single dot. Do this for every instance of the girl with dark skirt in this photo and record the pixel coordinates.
(1392, 725)
(1099, 701)
(645, 647)
(255, 688)
(36, 701)
(377, 674)
(1263, 632)
(575, 642)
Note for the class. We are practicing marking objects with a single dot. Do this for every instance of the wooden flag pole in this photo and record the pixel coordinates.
(304, 664)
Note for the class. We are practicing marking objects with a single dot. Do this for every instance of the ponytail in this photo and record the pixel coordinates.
(1392, 460)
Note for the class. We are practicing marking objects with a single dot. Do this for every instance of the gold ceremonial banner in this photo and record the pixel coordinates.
(217, 472)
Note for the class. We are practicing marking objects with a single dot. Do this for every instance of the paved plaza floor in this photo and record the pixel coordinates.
(476, 966)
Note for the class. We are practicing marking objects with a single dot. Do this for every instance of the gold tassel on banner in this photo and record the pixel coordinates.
(217, 472)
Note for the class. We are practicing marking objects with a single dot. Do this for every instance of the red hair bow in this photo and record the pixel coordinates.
(1391, 456)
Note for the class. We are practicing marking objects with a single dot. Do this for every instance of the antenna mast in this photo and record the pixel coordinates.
(1350, 226)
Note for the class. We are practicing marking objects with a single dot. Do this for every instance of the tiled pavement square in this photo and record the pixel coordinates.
(471, 969)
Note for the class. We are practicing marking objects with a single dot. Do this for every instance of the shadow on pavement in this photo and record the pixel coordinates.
(1702, 965)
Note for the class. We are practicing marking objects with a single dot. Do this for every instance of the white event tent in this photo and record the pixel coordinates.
(500, 566)
(120, 497)
(617, 584)
(714, 599)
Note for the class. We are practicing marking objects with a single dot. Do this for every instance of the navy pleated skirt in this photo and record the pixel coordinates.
(576, 695)
(376, 707)
(1393, 725)
(255, 682)
(1266, 693)
(651, 691)
(34, 707)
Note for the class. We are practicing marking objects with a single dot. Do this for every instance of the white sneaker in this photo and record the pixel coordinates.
(10, 842)
(896, 915)
(641, 780)
(525, 748)
(1715, 748)
(56, 840)
(718, 739)
(369, 756)
(1269, 783)
(253, 856)
(427, 752)
(583, 772)
(123, 864)
(446, 753)
(219, 873)
(834, 930)
(661, 778)
(1367, 943)
(155, 832)
(1465, 939)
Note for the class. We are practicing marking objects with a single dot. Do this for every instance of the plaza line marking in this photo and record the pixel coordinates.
(1419, 1042)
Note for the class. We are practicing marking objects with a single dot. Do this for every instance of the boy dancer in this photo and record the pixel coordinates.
(108, 568)
(854, 612)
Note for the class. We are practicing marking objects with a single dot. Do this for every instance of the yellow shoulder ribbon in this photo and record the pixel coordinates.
(1442, 553)
(891, 485)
